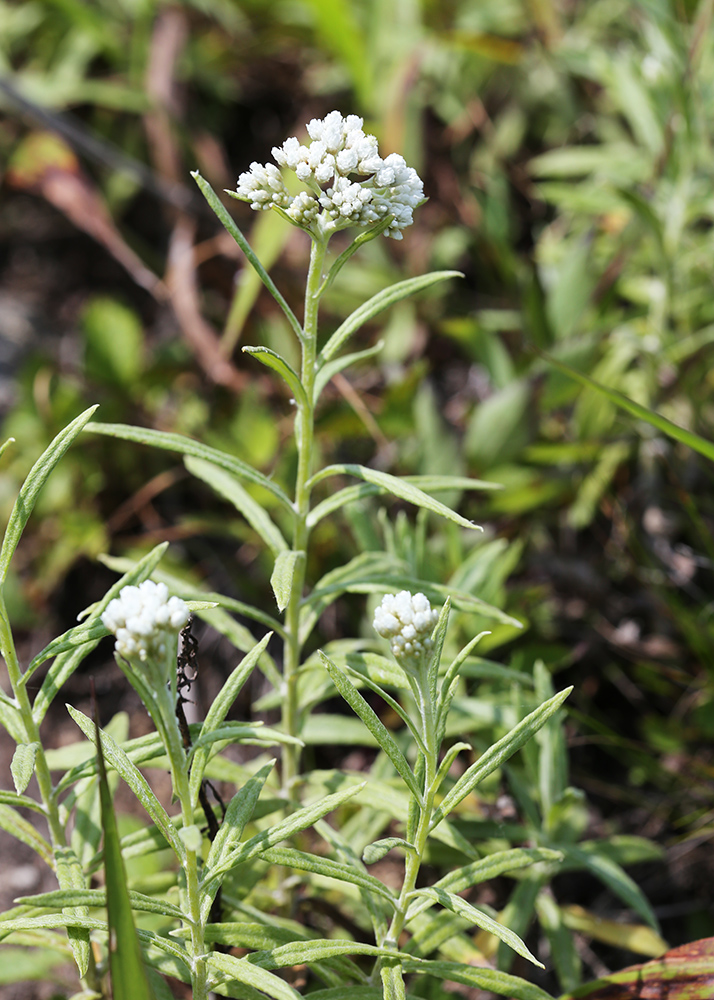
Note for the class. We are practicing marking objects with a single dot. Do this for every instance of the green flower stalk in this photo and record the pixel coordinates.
(347, 185)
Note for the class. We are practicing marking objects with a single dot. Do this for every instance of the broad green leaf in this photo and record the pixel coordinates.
(12, 822)
(97, 898)
(30, 489)
(281, 579)
(226, 967)
(187, 446)
(457, 905)
(273, 360)
(70, 876)
(496, 755)
(397, 487)
(672, 430)
(380, 848)
(332, 368)
(214, 201)
(227, 486)
(121, 763)
(484, 979)
(382, 735)
(429, 484)
(382, 300)
(22, 765)
(327, 868)
(219, 709)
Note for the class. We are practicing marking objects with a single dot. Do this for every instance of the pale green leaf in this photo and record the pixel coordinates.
(326, 867)
(281, 579)
(483, 979)
(22, 765)
(273, 360)
(380, 848)
(331, 368)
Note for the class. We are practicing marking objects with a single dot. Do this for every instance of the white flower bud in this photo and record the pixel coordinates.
(407, 620)
(143, 618)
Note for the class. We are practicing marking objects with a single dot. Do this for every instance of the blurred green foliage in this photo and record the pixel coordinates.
(567, 156)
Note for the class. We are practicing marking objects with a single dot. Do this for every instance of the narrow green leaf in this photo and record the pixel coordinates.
(239, 811)
(654, 419)
(126, 964)
(281, 579)
(492, 758)
(119, 760)
(379, 848)
(382, 300)
(30, 489)
(612, 875)
(449, 757)
(300, 952)
(227, 486)
(228, 967)
(328, 868)
(366, 236)
(397, 487)
(97, 898)
(15, 824)
(562, 945)
(22, 765)
(448, 685)
(224, 217)
(457, 905)
(273, 360)
(392, 978)
(331, 368)
(283, 830)
(71, 877)
(20, 801)
(380, 732)
(429, 484)
(438, 637)
(484, 979)
(187, 446)
(219, 709)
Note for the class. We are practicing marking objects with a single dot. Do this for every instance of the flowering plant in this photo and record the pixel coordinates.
(230, 858)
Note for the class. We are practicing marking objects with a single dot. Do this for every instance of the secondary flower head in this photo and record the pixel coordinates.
(349, 183)
(407, 620)
(143, 619)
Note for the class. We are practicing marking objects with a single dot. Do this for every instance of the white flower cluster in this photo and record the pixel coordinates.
(407, 620)
(339, 150)
(142, 618)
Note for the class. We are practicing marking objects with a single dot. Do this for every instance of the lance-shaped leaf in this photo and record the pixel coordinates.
(654, 419)
(612, 875)
(227, 967)
(70, 876)
(12, 822)
(299, 820)
(496, 755)
(435, 656)
(382, 300)
(36, 479)
(299, 952)
(272, 360)
(376, 727)
(459, 906)
(97, 898)
(484, 979)
(430, 484)
(366, 236)
(380, 848)
(168, 441)
(227, 486)
(281, 579)
(215, 202)
(400, 488)
(219, 710)
(239, 811)
(119, 760)
(290, 858)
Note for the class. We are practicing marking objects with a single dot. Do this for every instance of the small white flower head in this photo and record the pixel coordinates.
(144, 619)
(407, 620)
(349, 182)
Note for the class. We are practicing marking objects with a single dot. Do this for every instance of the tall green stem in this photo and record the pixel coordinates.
(304, 436)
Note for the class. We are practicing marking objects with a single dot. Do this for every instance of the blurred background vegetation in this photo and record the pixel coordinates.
(566, 148)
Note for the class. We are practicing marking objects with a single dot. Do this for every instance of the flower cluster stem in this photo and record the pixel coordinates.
(305, 438)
